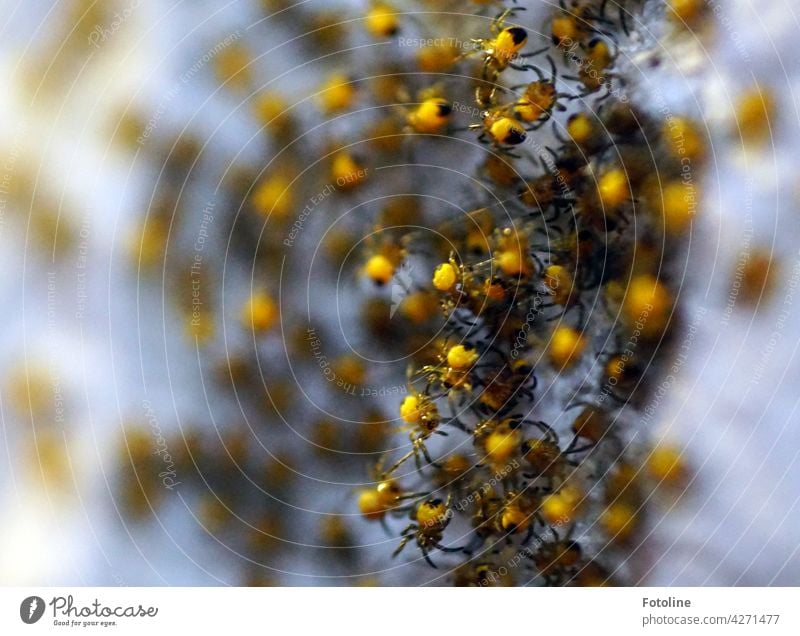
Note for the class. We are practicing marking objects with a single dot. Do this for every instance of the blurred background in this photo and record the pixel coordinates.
(148, 439)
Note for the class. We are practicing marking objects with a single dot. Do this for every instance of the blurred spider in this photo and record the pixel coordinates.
(430, 519)
(503, 388)
(539, 98)
(499, 51)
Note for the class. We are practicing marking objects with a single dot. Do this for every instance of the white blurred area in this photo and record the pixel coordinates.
(70, 363)
(71, 199)
(734, 402)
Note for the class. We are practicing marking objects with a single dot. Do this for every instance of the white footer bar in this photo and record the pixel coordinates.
(400, 611)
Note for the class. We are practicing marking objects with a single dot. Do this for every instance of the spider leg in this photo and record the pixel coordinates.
(403, 542)
(427, 557)
(449, 549)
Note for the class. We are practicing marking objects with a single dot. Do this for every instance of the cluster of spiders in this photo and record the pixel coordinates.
(546, 310)
(529, 317)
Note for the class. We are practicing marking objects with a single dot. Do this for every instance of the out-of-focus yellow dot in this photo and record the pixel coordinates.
(683, 138)
(346, 172)
(371, 505)
(420, 306)
(431, 116)
(232, 66)
(678, 206)
(501, 444)
(271, 109)
(350, 370)
(513, 262)
(50, 461)
(437, 58)
(665, 463)
(580, 129)
(561, 507)
(200, 326)
(566, 346)
(30, 389)
(337, 93)
(148, 244)
(379, 269)
(273, 197)
(260, 313)
(613, 188)
(686, 11)
(381, 20)
(647, 304)
(618, 520)
(755, 114)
